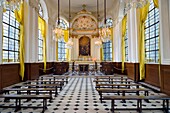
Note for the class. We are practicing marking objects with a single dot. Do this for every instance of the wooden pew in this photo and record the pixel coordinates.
(29, 90)
(117, 85)
(139, 99)
(122, 90)
(109, 81)
(18, 99)
(55, 77)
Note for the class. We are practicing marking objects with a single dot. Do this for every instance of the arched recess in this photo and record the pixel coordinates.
(44, 6)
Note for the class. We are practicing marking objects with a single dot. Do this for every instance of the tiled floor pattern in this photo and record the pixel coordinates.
(80, 96)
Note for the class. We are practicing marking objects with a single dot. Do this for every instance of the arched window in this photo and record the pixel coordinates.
(11, 33)
(126, 44)
(61, 43)
(40, 38)
(41, 13)
(107, 46)
(152, 35)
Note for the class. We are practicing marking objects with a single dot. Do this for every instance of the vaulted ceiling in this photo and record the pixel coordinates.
(113, 7)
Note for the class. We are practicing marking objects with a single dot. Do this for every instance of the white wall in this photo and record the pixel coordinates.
(1, 38)
(165, 31)
(132, 35)
(117, 42)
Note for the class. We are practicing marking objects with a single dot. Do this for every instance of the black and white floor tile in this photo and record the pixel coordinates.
(80, 96)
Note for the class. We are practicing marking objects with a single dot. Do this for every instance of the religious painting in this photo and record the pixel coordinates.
(84, 46)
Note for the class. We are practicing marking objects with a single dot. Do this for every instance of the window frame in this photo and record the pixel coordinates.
(14, 37)
(152, 33)
(107, 51)
(126, 44)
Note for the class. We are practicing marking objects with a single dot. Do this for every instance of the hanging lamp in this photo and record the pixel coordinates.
(58, 31)
(69, 44)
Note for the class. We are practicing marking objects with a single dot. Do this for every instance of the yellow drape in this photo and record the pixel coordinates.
(42, 27)
(66, 37)
(156, 3)
(101, 54)
(123, 41)
(19, 14)
(143, 15)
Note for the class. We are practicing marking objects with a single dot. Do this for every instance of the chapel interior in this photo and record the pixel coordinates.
(85, 56)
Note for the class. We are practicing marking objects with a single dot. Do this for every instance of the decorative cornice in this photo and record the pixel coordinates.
(34, 4)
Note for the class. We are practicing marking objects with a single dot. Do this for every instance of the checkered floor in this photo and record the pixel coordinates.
(80, 96)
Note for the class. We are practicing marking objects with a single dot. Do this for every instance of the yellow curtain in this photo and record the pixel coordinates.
(66, 37)
(143, 15)
(101, 54)
(123, 41)
(19, 14)
(156, 3)
(56, 51)
(42, 27)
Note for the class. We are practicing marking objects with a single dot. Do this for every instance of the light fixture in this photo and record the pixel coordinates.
(11, 4)
(98, 42)
(58, 29)
(69, 44)
(105, 32)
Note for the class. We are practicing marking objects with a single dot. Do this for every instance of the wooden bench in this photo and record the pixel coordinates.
(122, 90)
(113, 81)
(56, 86)
(28, 90)
(139, 102)
(18, 99)
(46, 81)
(110, 77)
(55, 77)
(117, 85)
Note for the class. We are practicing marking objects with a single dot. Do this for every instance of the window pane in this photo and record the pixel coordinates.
(152, 35)
(107, 50)
(10, 37)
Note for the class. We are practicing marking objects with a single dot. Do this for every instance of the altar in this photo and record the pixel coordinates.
(86, 66)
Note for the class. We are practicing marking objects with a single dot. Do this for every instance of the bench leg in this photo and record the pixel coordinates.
(139, 106)
(167, 106)
(100, 93)
(112, 106)
(56, 91)
(18, 106)
(51, 97)
(43, 106)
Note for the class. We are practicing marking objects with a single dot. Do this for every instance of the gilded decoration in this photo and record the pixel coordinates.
(84, 23)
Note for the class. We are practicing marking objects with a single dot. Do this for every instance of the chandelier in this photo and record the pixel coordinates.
(69, 44)
(59, 33)
(11, 4)
(105, 32)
